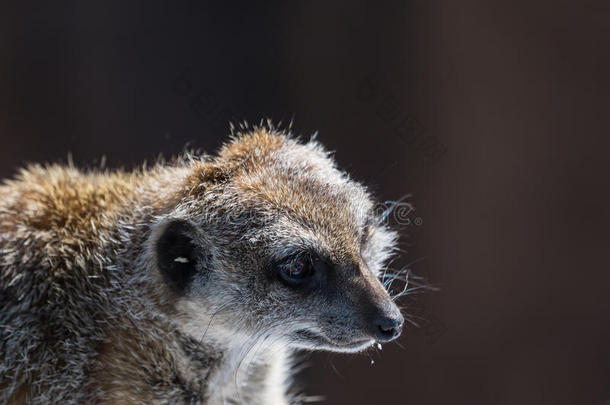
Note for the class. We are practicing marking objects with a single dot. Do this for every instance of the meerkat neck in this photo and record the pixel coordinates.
(252, 373)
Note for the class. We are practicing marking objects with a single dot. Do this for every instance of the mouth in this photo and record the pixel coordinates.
(322, 342)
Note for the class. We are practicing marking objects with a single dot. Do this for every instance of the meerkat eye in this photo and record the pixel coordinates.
(297, 269)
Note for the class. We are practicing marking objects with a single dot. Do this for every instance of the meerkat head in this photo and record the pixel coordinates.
(271, 241)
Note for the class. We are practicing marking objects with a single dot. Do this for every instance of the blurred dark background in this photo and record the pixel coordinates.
(492, 115)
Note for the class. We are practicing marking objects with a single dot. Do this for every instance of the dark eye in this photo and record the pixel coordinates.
(296, 269)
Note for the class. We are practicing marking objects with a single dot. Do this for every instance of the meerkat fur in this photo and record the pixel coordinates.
(189, 282)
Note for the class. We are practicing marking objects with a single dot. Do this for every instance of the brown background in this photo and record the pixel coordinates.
(493, 115)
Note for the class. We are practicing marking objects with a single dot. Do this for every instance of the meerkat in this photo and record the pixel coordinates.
(188, 282)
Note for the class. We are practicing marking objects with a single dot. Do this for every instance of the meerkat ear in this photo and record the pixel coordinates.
(176, 254)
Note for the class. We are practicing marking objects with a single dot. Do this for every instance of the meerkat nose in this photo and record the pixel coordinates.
(388, 328)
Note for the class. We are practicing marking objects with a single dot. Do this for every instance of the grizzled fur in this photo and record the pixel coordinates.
(161, 285)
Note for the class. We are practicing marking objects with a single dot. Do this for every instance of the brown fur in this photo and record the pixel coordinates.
(85, 315)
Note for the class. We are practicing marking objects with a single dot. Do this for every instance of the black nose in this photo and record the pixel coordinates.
(388, 328)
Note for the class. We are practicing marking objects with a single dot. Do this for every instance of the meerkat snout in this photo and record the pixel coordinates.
(385, 320)
(387, 326)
